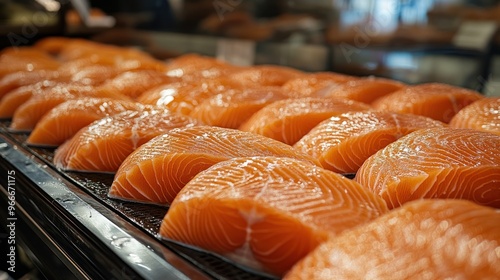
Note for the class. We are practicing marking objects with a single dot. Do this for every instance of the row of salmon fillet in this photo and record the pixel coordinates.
(251, 160)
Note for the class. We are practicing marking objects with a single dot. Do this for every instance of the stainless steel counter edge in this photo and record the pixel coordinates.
(93, 223)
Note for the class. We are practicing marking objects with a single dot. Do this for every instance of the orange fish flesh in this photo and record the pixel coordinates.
(158, 170)
(290, 119)
(438, 101)
(342, 143)
(104, 144)
(436, 163)
(425, 239)
(267, 212)
(66, 119)
(483, 114)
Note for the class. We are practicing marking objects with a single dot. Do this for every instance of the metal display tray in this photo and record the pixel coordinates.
(87, 235)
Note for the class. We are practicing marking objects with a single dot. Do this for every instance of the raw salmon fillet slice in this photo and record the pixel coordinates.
(290, 119)
(342, 143)
(38, 102)
(266, 75)
(438, 101)
(81, 48)
(267, 212)
(25, 59)
(104, 144)
(233, 107)
(83, 52)
(364, 90)
(136, 82)
(67, 118)
(17, 97)
(74, 66)
(90, 75)
(183, 97)
(483, 115)
(164, 94)
(93, 75)
(436, 163)
(426, 239)
(158, 170)
(18, 79)
(28, 114)
(308, 84)
(122, 87)
(118, 63)
(16, 88)
(192, 67)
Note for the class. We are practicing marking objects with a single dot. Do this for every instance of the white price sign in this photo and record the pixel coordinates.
(237, 52)
(475, 34)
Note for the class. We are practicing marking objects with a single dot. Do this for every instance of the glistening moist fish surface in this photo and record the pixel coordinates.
(143, 216)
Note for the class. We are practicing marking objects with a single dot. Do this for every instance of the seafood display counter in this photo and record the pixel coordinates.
(70, 229)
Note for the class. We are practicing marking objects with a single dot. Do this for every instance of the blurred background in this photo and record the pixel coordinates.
(450, 41)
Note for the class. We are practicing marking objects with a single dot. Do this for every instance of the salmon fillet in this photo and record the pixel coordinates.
(265, 75)
(72, 67)
(183, 97)
(267, 212)
(364, 90)
(342, 143)
(66, 119)
(192, 67)
(81, 48)
(92, 75)
(232, 108)
(18, 79)
(104, 144)
(80, 51)
(438, 101)
(136, 82)
(15, 98)
(119, 64)
(290, 119)
(436, 163)
(308, 85)
(28, 114)
(425, 239)
(25, 59)
(158, 170)
(482, 115)
(125, 86)
(88, 71)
